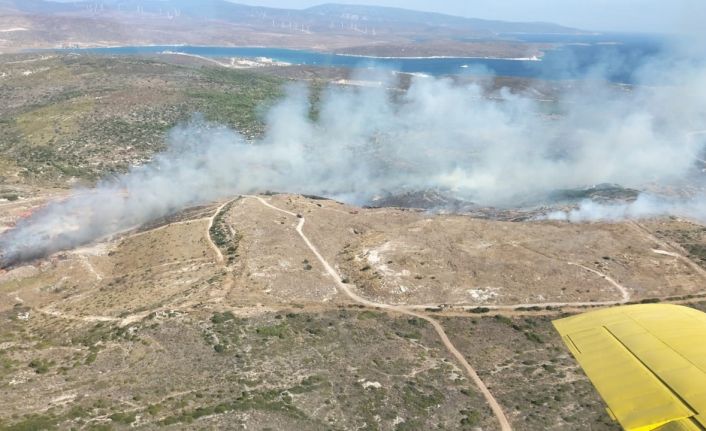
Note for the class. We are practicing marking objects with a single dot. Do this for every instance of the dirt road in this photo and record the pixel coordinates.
(494, 405)
(623, 290)
(677, 251)
(211, 220)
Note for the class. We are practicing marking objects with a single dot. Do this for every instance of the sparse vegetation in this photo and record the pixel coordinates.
(146, 335)
(41, 366)
(88, 125)
(32, 423)
(123, 418)
(219, 318)
(9, 196)
(279, 331)
(222, 235)
(527, 349)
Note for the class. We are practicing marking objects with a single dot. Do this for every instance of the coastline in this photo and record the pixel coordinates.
(540, 67)
(439, 57)
(331, 53)
(236, 62)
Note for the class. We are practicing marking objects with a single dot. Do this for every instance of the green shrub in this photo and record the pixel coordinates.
(368, 314)
(123, 418)
(534, 337)
(41, 366)
(33, 423)
(222, 317)
(480, 310)
(279, 331)
(650, 301)
(471, 418)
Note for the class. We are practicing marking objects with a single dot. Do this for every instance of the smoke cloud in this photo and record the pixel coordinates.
(645, 206)
(507, 150)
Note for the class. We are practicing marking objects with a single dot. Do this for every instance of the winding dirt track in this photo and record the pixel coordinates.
(211, 220)
(494, 405)
(623, 290)
(677, 250)
(411, 310)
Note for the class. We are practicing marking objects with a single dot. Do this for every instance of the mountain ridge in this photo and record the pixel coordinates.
(223, 10)
(330, 27)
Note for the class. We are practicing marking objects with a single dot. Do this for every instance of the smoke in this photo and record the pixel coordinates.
(506, 150)
(645, 206)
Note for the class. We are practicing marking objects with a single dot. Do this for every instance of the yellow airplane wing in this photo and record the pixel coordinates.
(647, 361)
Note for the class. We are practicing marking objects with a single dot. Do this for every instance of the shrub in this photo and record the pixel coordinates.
(40, 366)
(33, 423)
(650, 301)
(534, 337)
(273, 331)
(222, 317)
(123, 418)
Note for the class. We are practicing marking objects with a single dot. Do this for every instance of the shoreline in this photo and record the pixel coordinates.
(440, 57)
(236, 62)
(331, 53)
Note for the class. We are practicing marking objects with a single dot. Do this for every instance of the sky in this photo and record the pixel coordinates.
(661, 16)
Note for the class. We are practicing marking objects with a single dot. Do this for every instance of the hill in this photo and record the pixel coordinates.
(223, 316)
(281, 311)
(329, 27)
(386, 16)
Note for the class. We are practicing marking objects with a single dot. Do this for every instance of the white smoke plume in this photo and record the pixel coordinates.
(504, 151)
(645, 206)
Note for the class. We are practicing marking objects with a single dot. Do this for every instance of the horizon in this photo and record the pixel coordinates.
(594, 15)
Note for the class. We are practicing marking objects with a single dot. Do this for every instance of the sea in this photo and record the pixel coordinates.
(614, 57)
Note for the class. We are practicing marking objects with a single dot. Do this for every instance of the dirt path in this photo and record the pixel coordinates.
(90, 319)
(623, 291)
(121, 321)
(89, 266)
(218, 295)
(15, 295)
(136, 317)
(677, 251)
(211, 220)
(684, 259)
(515, 307)
(494, 405)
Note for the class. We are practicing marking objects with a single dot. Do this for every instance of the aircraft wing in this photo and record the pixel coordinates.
(647, 361)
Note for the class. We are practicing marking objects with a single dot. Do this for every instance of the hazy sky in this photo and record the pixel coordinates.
(619, 15)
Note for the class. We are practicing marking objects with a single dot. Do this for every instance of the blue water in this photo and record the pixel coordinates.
(613, 58)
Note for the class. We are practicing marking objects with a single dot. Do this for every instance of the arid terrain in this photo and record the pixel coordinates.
(283, 311)
(224, 316)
